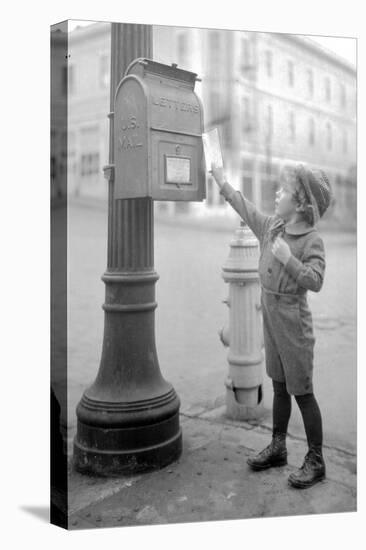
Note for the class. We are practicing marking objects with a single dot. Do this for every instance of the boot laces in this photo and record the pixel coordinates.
(311, 459)
(267, 450)
(273, 447)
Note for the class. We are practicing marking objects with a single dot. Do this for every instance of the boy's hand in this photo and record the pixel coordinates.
(218, 173)
(281, 250)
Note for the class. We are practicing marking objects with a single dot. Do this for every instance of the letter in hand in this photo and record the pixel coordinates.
(218, 174)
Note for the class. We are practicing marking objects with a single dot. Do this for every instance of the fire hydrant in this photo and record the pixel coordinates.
(243, 335)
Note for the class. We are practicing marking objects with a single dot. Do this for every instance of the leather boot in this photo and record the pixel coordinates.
(312, 470)
(275, 454)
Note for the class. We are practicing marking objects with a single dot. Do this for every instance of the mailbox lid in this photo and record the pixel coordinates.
(173, 103)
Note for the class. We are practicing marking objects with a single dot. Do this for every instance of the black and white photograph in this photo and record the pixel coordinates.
(203, 191)
(182, 275)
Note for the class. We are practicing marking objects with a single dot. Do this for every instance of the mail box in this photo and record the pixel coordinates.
(158, 125)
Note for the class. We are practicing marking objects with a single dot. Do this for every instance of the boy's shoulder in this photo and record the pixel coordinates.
(313, 243)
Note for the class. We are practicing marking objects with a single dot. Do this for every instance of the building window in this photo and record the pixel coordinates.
(246, 111)
(290, 73)
(227, 133)
(245, 53)
(214, 47)
(246, 59)
(89, 164)
(269, 121)
(71, 154)
(327, 89)
(215, 105)
(182, 49)
(291, 127)
(343, 96)
(269, 62)
(247, 187)
(248, 165)
(268, 192)
(329, 136)
(310, 79)
(311, 131)
(104, 69)
(214, 40)
(345, 142)
(246, 118)
(269, 175)
(210, 191)
(71, 160)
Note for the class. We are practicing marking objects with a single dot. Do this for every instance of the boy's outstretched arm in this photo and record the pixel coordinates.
(249, 213)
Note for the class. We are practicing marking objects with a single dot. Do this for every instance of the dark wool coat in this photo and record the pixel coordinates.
(287, 321)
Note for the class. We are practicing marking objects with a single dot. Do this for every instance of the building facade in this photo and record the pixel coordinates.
(276, 99)
(88, 107)
(58, 119)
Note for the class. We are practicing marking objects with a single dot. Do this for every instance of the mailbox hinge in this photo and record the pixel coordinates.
(108, 170)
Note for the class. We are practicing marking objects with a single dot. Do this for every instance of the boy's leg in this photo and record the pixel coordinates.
(312, 419)
(281, 408)
(275, 454)
(313, 468)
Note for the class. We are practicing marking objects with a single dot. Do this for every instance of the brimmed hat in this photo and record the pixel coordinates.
(317, 189)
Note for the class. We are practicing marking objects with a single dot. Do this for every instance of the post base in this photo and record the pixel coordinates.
(126, 443)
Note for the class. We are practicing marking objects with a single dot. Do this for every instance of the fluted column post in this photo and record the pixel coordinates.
(128, 420)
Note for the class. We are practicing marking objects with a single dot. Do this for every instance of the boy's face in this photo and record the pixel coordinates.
(285, 205)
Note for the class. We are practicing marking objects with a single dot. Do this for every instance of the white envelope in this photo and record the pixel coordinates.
(212, 148)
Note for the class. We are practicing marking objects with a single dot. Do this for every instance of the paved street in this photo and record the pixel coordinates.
(190, 313)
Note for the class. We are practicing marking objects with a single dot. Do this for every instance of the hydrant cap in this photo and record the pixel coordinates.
(244, 252)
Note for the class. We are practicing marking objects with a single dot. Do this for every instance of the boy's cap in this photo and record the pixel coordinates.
(317, 189)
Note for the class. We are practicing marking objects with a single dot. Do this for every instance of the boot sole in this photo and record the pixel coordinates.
(257, 467)
(304, 484)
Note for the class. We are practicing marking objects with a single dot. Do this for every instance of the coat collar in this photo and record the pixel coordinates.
(299, 228)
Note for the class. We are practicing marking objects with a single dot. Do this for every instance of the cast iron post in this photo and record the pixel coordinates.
(128, 420)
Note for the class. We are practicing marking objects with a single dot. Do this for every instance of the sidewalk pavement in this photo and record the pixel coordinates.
(211, 481)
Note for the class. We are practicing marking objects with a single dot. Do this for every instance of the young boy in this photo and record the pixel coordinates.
(292, 261)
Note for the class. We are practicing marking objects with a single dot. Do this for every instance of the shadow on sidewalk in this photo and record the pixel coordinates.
(40, 512)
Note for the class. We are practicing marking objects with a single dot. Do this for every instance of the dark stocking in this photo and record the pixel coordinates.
(312, 418)
(281, 407)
